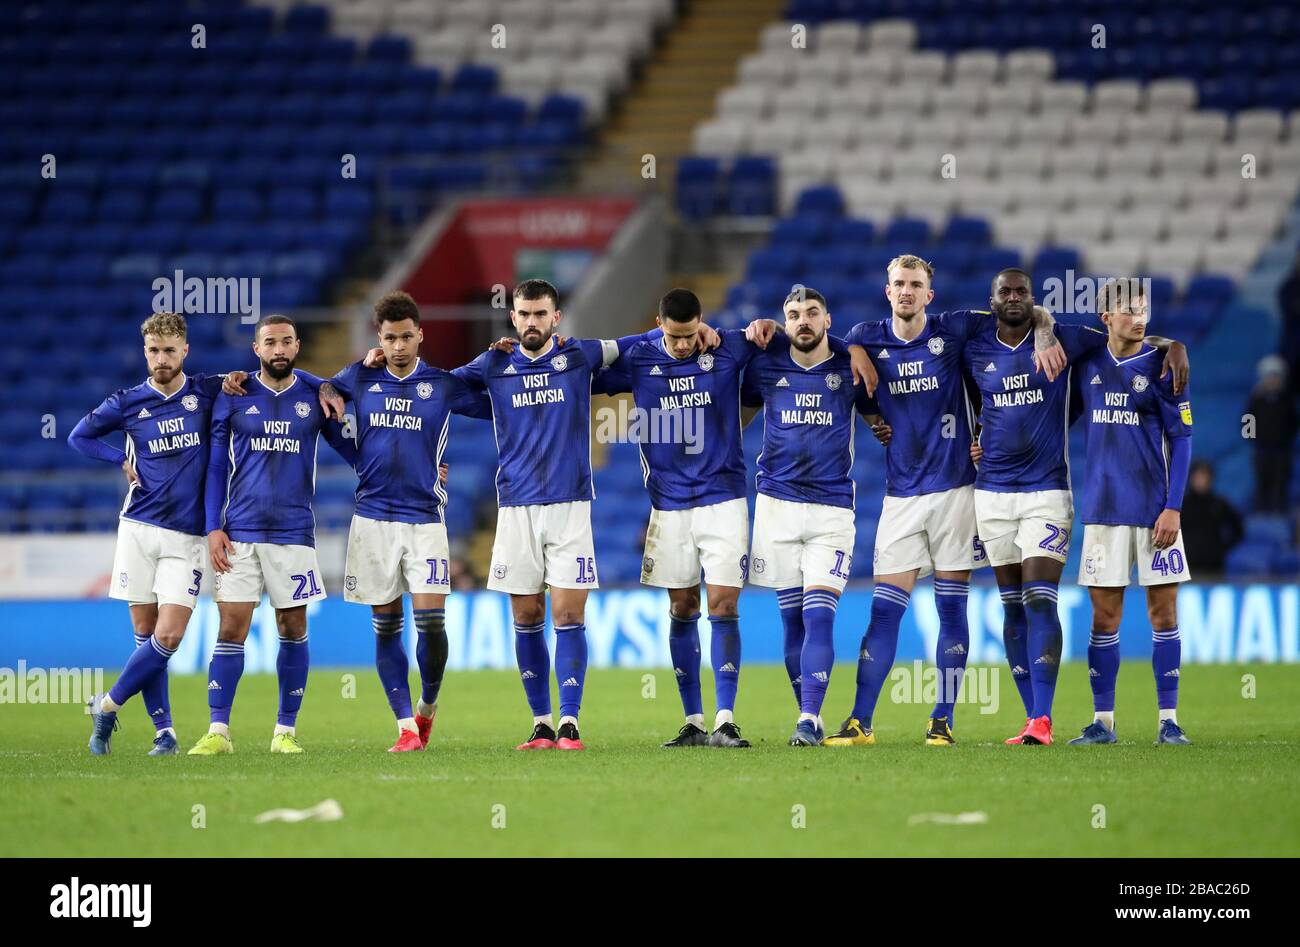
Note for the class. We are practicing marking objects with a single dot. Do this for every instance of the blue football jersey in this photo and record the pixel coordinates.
(401, 433)
(541, 413)
(262, 470)
(166, 438)
(1024, 416)
(808, 421)
(688, 418)
(923, 397)
(1130, 414)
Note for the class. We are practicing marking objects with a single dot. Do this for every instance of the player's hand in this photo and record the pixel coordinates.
(503, 344)
(442, 474)
(220, 548)
(709, 337)
(976, 452)
(883, 432)
(331, 402)
(760, 332)
(1176, 362)
(233, 383)
(374, 358)
(864, 370)
(1166, 529)
(1050, 362)
(130, 472)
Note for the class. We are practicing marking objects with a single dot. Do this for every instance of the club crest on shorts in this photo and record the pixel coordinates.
(350, 583)
(1140, 383)
(705, 361)
(121, 579)
(190, 403)
(560, 362)
(1095, 561)
(424, 390)
(647, 565)
(301, 408)
(935, 346)
(833, 381)
(760, 565)
(499, 571)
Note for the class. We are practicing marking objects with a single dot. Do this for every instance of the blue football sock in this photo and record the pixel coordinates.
(224, 671)
(1166, 660)
(291, 668)
(878, 647)
(953, 647)
(146, 663)
(1103, 669)
(431, 650)
(1044, 644)
(684, 648)
(790, 602)
(1015, 638)
(570, 666)
(534, 666)
(156, 695)
(726, 660)
(392, 664)
(818, 648)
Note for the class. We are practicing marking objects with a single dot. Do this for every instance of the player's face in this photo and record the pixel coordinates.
(277, 349)
(165, 355)
(1012, 299)
(535, 321)
(680, 338)
(806, 324)
(909, 291)
(1128, 322)
(400, 342)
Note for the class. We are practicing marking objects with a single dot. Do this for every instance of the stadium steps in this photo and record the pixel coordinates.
(677, 90)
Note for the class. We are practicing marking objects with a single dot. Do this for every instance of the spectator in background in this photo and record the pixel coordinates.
(1211, 527)
(1274, 411)
(1288, 301)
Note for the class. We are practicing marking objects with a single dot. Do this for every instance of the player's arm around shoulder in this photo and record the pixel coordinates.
(1175, 364)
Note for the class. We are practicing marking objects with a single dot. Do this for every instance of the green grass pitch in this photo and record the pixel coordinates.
(1232, 793)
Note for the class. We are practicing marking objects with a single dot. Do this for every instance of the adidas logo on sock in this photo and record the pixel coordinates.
(727, 668)
(957, 649)
(144, 413)
(571, 682)
(213, 686)
(783, 383)
(1044, 659)
(798, 680)
(679, 672)
(527, 676)
(990, 367)
(157, 713)
(1173, 672)
(298, 692)
(865, 655)
(374, 387)
(821, 676)
(1018, 670)
(252, 410)
(1093, 672)
(655, 371)
(510, 370)
(1096, 380)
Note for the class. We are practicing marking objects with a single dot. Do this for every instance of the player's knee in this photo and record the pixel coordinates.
(1105, 622)
(169, 638)
(1162, 614)
(291, 624)
(566, 615)
(725, 608)
(683, 603)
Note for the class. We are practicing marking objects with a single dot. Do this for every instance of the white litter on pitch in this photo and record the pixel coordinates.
(949, 818)
(327, 811)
